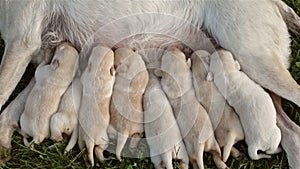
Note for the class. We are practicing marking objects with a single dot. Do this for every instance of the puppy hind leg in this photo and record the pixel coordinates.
(167, 159)
(199, 150)
(213, 147)
(236, 153)
(122, 138)
(99, 153)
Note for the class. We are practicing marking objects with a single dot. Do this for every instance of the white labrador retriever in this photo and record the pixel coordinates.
(226, 123)
(97, 83)
(253, 105)
(65, 120)
(162, 132)
(126, 108)
(193, 120)
(42, 102)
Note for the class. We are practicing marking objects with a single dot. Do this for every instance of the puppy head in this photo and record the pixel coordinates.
(58, 125)
(223, 61)
(200, 64)
(128, 63)
(65, 59)
(176, 75)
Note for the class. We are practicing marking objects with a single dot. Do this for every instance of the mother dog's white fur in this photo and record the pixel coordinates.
(126, 108)
(244, 27)
(161, 130)
(97, 83)
(193, 120)
(51, 83)
(66, 118)
(253, 105)
(226, 123)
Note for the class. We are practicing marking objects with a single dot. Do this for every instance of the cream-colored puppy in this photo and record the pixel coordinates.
(9, 120)
(97, 84)
(226, 123)
(253, 105)
(51, 83)
(192, 118)
(66, 118)
(162, 132)
(126, 106)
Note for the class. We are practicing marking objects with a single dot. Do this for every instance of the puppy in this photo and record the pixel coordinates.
(126, 106)
(161, 129)
(290, 133)
(97, 84)
(192, 118)
(253, 105)
(9, 120)
(226, 123)
(51, 83)
(66, 119)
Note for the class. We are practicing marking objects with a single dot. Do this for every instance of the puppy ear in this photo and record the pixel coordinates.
(209, 76)
(55, 64)
(237, 65)
(112, 71)
(189, 62)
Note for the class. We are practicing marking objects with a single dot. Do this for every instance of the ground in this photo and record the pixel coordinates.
(43, 157)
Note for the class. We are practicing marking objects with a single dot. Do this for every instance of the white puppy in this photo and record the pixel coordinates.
(192, 118)
(225, 121)
(97, 84)
(66, 119)
(51, 83)
(9, 120)
(162, 132)
(126, 106)
(253, 105)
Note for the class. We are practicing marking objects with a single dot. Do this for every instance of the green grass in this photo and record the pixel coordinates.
(43, 157)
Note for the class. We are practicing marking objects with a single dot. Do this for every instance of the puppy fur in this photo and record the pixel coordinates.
(126, 106)
(162, 132)
(226, 123)
(97, 83)
(66, 118)
(253, 105)
(51, 83)
(192, 118)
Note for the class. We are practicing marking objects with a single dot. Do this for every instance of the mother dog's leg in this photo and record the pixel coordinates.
(21, 30)
(259, 43)
(289, 15)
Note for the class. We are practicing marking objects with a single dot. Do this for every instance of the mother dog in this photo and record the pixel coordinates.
(254, 31)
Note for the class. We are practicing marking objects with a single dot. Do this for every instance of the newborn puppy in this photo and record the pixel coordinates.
(192, 119)
(9, 119)
(51, 83)
(161, 129)
(66, 119)
(126, 106)
(253, 105)
(226, 123)
(97, 84)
